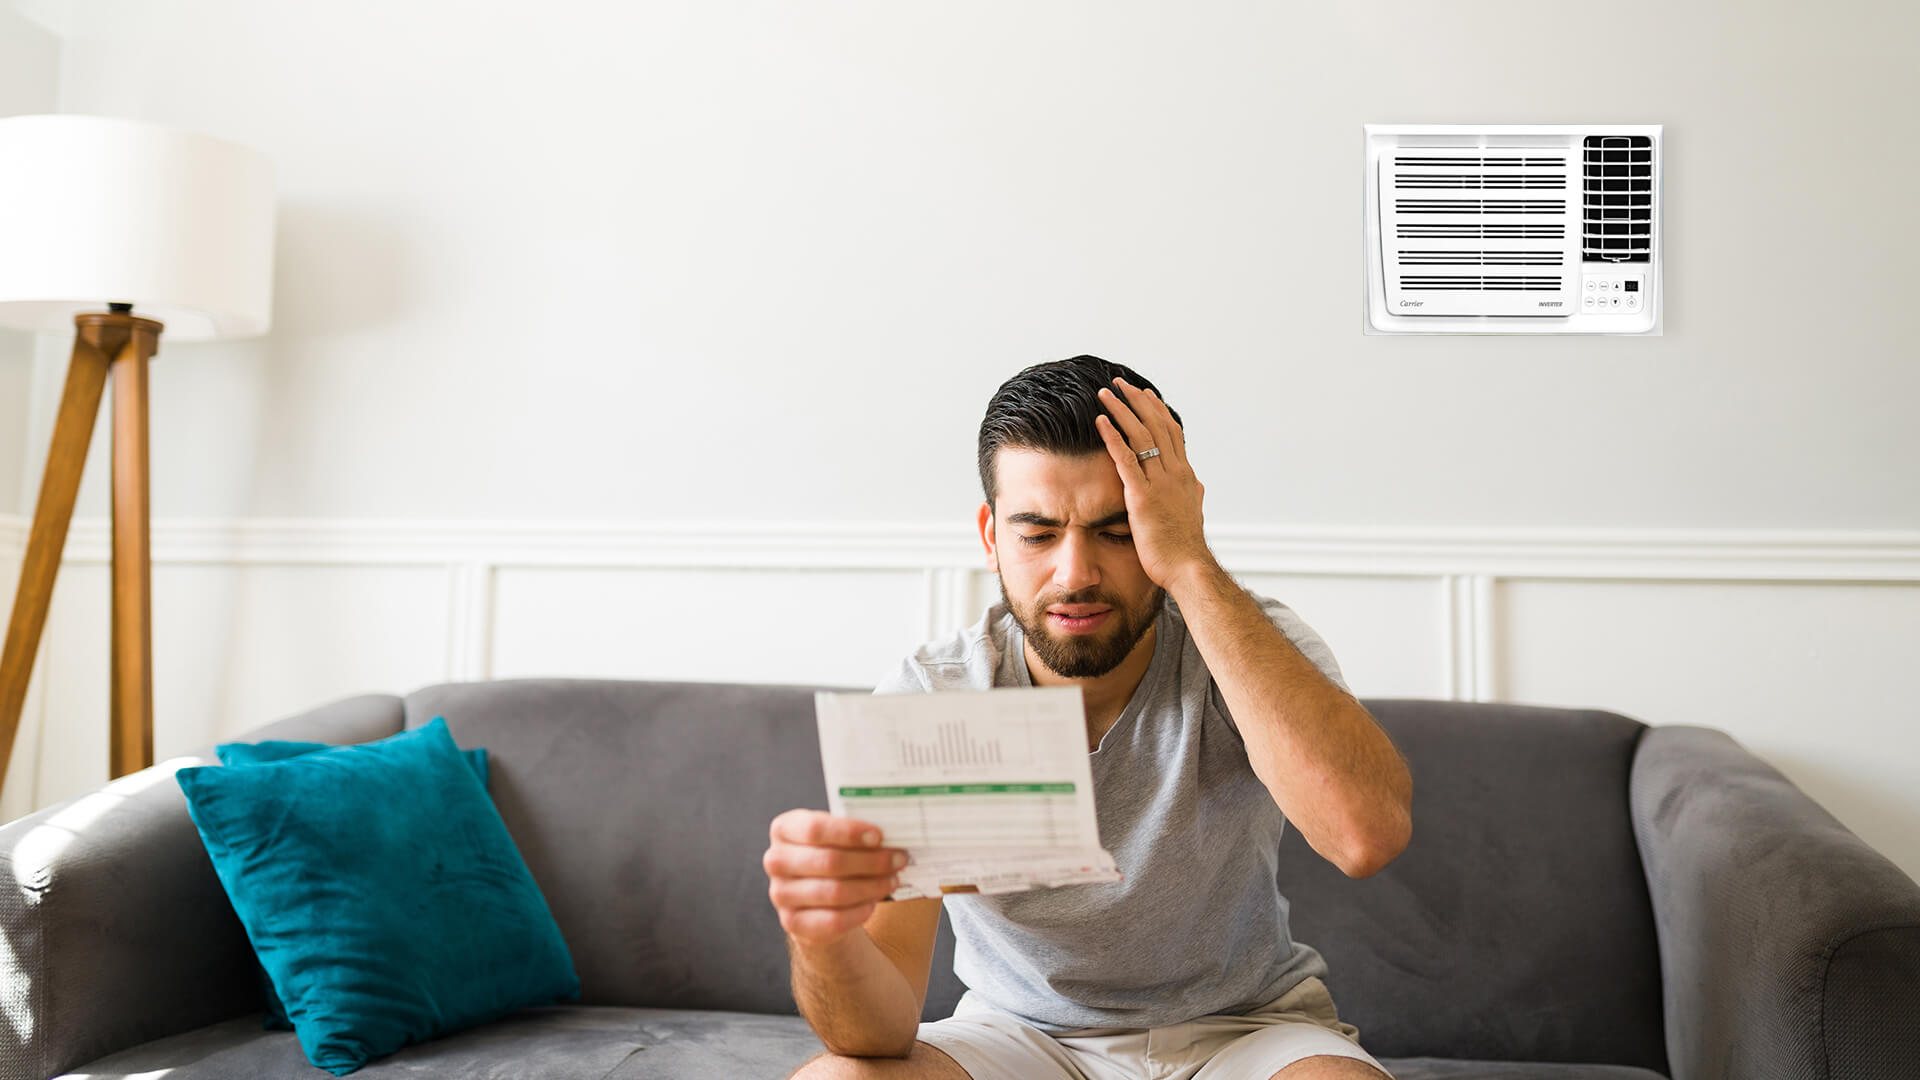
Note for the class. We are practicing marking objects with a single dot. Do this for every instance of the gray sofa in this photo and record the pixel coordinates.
(1585, 897)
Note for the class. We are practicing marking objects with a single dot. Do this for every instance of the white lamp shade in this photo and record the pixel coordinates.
(97, 210)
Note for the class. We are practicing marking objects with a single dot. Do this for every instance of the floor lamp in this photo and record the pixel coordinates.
(114, 230)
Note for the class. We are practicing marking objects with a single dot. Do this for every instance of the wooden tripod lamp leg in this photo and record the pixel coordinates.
(123, 343)
(59, 487)
(132, 734)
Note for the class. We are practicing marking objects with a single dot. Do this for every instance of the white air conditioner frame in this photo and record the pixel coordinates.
(1377, 319)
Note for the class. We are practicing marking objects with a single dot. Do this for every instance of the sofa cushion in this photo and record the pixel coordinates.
(1466, 944)
(552, 1042)
(1517, 924)
(1515, 810)
(579, 1042)
(1429, 1068)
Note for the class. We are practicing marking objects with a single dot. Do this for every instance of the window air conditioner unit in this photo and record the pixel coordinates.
(1512, 229)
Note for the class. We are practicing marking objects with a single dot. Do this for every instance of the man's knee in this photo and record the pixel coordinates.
(923, 1063)
(1330, 1067)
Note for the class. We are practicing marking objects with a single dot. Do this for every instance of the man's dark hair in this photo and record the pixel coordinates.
(1050, 407)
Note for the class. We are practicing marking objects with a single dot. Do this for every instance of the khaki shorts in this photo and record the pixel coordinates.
(992, 1044)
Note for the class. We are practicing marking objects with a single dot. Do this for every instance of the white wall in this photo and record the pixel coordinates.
(699, 259)
(29, 83)
(730, 264)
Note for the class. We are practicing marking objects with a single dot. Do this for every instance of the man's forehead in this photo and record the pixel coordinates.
(1043, 488)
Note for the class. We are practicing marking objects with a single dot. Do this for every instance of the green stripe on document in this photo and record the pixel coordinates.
(956, 789)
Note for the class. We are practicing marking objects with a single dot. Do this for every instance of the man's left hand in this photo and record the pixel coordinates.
(1163, 495)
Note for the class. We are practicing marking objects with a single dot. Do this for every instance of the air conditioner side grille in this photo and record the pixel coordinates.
(1617, 187)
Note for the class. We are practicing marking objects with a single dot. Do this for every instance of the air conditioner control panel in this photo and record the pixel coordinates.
(1612, 290)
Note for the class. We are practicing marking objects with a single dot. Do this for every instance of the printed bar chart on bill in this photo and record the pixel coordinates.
(987, 790)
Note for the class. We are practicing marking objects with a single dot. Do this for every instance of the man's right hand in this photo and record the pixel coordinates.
(825, 874)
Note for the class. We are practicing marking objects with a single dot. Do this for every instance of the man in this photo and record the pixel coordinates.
(1213, 718)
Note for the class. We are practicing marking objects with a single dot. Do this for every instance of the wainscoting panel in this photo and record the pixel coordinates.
(1799, 644)
(1391, 635)
(838, 627)
(234, 647)
(17, 794)
(1820, 679)
(958, 598)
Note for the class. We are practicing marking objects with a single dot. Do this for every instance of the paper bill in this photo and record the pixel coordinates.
(987, 790)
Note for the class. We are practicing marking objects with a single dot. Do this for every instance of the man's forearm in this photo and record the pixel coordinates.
(1328, 765)
(856, 1000)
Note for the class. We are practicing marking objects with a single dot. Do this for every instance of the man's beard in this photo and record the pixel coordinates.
(1085, 656)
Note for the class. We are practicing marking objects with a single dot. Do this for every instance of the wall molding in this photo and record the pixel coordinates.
(1468, 564)
(1470, 642)
(1862, 556)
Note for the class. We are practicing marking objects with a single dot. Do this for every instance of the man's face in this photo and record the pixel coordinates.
(1059, 539)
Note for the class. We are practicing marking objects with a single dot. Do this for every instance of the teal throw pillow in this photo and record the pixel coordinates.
(239, 753)
(381, 892)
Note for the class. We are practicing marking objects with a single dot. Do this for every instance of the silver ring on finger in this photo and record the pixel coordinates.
(1149, 452)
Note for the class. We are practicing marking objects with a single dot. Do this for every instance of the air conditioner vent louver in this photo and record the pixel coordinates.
(1418, 257)
(1415, 231)
(1617, 223)
(1552, 162)
(1494, 181)
(1496, 283)
(1480, 206)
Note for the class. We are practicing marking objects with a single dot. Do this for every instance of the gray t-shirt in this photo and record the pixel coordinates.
(1198, 925)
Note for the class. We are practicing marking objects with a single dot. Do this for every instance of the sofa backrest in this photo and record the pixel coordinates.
(642, 809)
(1517, 924)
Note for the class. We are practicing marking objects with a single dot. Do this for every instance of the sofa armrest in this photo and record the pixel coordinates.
(116, 930)
(1788, 947)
